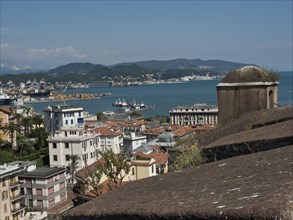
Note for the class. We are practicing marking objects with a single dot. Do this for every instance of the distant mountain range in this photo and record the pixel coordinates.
(193, 64)
(86, 72)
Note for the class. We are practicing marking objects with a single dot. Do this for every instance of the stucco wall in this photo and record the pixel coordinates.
(234, 101)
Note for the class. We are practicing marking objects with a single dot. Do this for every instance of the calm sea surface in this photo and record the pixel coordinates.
(163, 96)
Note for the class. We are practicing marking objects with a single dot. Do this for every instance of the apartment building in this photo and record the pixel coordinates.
(45, 188)
(60, 116)
(133, 141)
(110, 139)
(70, 141)
(11, 200)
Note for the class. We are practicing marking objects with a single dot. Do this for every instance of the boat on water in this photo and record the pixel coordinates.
(5, 99)
(132, 105)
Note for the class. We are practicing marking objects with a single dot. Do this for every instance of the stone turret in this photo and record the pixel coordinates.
(244, 90)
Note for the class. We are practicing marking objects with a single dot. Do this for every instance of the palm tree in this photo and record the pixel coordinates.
(27, 124)
(37, 120)
(25, 145)
(10, 128)
(27, 110)
(74, 161)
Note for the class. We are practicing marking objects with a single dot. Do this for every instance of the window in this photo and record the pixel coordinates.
(6, 217)
(72, 121)
(52, 202)
(67, 158)
(66, 122)
(152, 169)
(54, 145)
(67, 145)
(40, 203)
(39, 192)
(5, 207)
(55, 158)
(29, 191)
(4, 195)
(4, 183)
(51, 190)
(132, 171)
(31, 203)
(63, 196)
(62, 185)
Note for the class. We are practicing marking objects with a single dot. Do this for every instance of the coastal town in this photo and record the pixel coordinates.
(53, 164)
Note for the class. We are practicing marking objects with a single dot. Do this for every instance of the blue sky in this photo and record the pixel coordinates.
(46, 34)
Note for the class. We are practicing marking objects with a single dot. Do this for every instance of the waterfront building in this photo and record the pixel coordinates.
(100, 84)
(244, 90)
(46, 189)
(11, 200)
(133, 141)
(197, 114)
(70, 141)
(60, 116)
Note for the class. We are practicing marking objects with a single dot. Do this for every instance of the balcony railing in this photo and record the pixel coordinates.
(17, 209)
(16, 197)
(14, 184)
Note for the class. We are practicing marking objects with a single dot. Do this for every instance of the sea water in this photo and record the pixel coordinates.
(163, 96)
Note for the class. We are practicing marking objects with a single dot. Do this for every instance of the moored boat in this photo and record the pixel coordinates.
(5, 99)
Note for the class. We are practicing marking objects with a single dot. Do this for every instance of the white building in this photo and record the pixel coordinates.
(110, 139)
(60, 116)
(197, 114)
(73, 141)
(133, 141)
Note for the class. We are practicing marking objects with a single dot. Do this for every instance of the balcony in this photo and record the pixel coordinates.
(14, 198)
(17, 209)
(14, 184)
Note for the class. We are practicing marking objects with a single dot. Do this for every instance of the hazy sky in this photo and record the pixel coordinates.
(51, 33)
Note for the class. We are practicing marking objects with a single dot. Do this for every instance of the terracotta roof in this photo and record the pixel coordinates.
(159, 156)
(132, 123)
(83, 173)
(5, 109)
(107, 131)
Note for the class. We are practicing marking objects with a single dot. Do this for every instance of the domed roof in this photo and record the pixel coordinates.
(166, 137)
(250, 74)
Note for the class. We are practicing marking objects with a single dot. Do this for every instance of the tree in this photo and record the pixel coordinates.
(37, 120)
(74, 161)
(114, 167)
(100, 116)
(93, 181)
(41, 137)
(27, 124)
(24, 144)
(189, 157)
(6, 156)
(27, 110)
(135, 114)
(10, 128)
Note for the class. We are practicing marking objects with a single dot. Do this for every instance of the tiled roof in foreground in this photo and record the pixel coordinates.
(254, 186)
